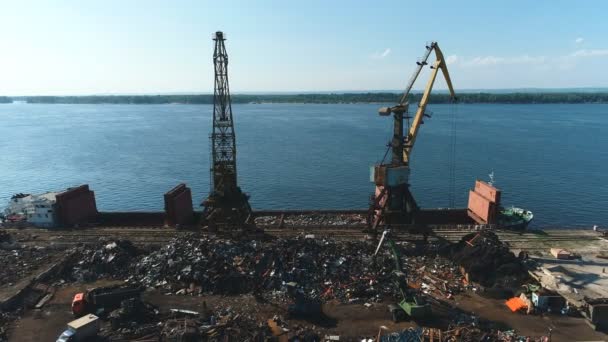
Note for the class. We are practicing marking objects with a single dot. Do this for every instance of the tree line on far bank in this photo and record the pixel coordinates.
(513, 98)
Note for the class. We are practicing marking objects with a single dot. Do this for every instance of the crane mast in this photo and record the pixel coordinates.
(226, 205)
(392, 202)
(223, 139)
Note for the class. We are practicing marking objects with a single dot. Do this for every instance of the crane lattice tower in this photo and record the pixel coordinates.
(226, 205)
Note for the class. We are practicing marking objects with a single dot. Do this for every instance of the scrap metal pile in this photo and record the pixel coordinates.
(230, 325)
(323, 269)
(109, 258)
(436, 276)
(465, 327)
(22, 260)
(487, 260)
(320, 267)
(459, 333)
(184, 325)
(326, 220)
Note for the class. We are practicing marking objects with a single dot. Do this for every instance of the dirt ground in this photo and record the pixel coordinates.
(564, 328)
(48, 323)
(342, 319)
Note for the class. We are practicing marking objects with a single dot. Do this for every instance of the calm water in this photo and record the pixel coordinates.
(552, 159)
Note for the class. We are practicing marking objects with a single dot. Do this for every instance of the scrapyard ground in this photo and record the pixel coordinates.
(346, 320)
(353, 320)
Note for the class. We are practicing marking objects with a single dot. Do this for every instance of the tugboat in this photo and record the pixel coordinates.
(514, 218)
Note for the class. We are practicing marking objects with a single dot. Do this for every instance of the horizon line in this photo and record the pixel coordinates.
(307, 92)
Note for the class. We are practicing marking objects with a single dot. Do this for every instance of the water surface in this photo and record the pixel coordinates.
(552, 159)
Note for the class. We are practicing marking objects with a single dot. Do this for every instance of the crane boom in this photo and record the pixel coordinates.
(439, 64)
(421, 63)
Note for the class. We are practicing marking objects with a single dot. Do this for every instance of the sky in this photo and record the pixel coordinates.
(63, 47)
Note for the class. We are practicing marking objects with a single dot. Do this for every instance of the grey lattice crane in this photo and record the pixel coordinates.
(227, 206)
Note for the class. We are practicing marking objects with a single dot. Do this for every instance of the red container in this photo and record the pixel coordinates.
(488, 191)
(178, 206)
(75, 206)
(482, 207)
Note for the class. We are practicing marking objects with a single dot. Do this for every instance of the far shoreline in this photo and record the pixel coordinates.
(325, 98)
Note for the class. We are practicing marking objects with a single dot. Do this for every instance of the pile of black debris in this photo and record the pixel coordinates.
(312, 219)
(321, 268)
(107, 259)
(22, 262)
(486, 260)
(465, 332)
(134, 317)
(223, 325)
(325, 220)
(217, 327)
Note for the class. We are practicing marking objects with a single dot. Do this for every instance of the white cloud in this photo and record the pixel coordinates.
(485, 60)
(382, 55)
(564, 62)
(493, 60)
(452, 59)
(589, 53)
(579, 40)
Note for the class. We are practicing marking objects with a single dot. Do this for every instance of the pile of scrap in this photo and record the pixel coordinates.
(484, 259)
(223, 325)
(312, 220)
(108, 258)
(322, 268)
(436, 276)
(468, 332)
(325, 219)
(462, 327)
(181, 329)
(22, 262)
(132, 312)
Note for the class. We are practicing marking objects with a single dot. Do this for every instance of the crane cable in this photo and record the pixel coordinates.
(452, 155)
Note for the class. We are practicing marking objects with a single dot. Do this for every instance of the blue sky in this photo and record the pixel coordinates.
(93, 47)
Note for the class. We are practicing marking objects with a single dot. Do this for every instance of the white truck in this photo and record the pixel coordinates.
(84, 328)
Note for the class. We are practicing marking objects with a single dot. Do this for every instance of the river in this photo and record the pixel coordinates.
(549, 158)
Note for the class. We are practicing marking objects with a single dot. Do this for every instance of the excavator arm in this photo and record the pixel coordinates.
(439, 64)
(400, 276)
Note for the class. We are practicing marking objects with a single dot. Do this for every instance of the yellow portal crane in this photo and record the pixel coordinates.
(392, 202)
